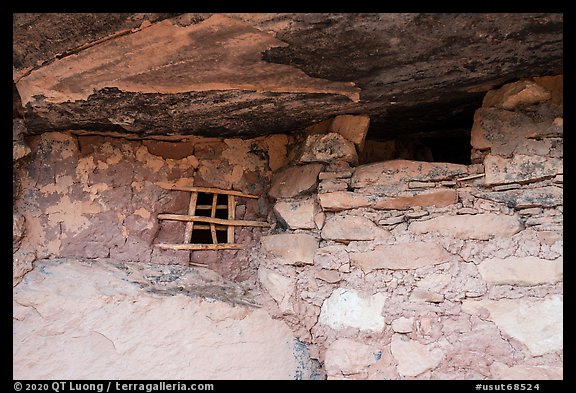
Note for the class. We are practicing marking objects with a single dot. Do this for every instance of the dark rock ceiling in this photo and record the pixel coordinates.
(256, 74)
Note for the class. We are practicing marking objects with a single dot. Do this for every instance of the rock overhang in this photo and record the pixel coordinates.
(255, 74)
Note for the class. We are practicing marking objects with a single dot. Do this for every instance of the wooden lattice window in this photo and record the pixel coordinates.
(222, 204)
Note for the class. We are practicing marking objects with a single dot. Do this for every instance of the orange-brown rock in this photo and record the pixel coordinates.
(295, 180)
(393, 174)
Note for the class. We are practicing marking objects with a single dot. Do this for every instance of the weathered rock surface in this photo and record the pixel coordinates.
(536, 323)
(327, 148)
(297, 214)
(295, 180)
(331, 276)
(516, 132)
(440, 197)
(353, 128)
(348, 358)
(343, 200)
(501, 371)
(347, 228)
(245, 73)
(520, 169)
(403, 325)
(420, 295)
(523, 198)
(514, 94)
(400, 256)
(291, 248)
(89, 321)
(521, 271)
(414, 358)
(278, 286)
(478, 226)
(22, 263)
(399, 172)
(349, 308)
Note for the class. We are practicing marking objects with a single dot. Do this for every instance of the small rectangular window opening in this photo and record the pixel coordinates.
(210, 219)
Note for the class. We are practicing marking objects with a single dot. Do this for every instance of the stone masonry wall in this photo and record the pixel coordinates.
(427, 270)
(93, 197)
(399, 269)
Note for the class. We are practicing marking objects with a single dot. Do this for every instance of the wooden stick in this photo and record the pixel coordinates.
(209, 207)
(197, 247)
(471, 177)
(232, 217)
(213, 215)
(197, 264)
(191, 212)
(218, 227)
(209, 190)
(238, 223)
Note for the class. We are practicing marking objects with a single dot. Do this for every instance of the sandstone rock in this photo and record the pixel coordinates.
(530, 211)
(348, 308)
(166, 149)
(89, 321)
(434, 281)
(343, 200)
(319, 219)
(394, 172)
(420, 295)
(550, 196)
(345, 174)
(505, 187)
(514, 94)
(555, 85)
(330, 276)
(501, 371)
(297, 214)
(391, 220)
(19, 150)
(347, 228)
(18, 129)
(478, 226)
(403, 325)
(352, 127)
(421, 184)
(18, 228)
(328, 147)
(467, 210)
(520, 169)
(414, 358)
(349, 358)
(549, 238)
(506, 133)
(22, 263)
(536, 323)
(332, 186)
(331, 257)
(279, 287)
(291, 249)
(400, 256)
(416, 214)
(439, 197)
(295, 180)
(521, 271)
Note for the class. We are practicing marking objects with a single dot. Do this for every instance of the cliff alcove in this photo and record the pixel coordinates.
(396, 183)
